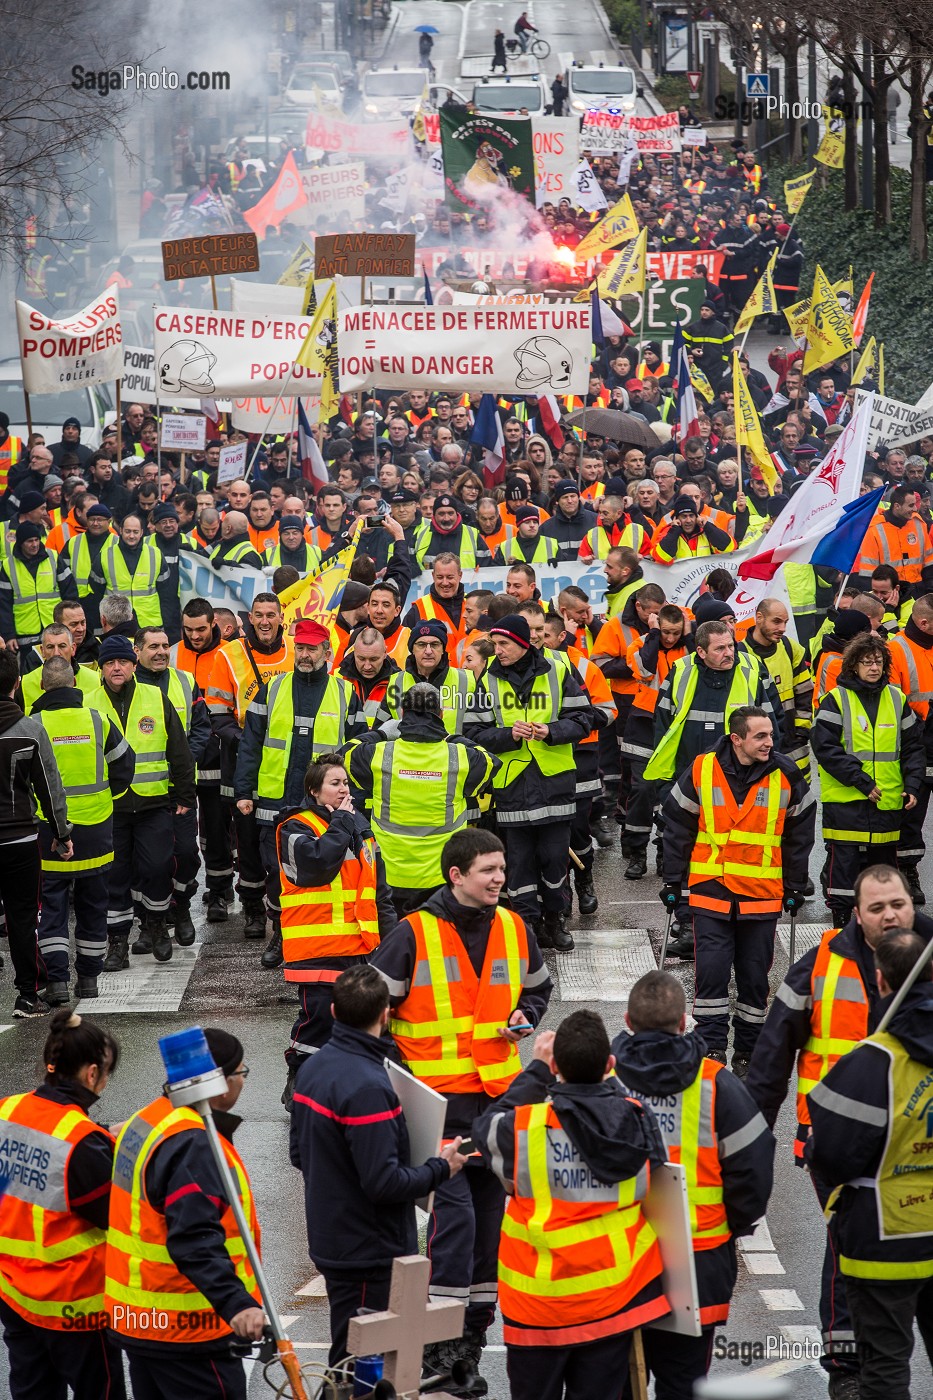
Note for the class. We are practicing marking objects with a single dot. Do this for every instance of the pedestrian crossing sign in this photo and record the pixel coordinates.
(757, 84)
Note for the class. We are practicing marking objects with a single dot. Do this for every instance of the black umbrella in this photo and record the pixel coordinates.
(623, 428)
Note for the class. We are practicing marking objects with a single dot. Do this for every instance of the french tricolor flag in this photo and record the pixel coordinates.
(313, 467)
(687, 416)
(549, 414)
(487, 433)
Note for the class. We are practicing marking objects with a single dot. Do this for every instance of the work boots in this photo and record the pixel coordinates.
(255, 925)
(143, 943)
(272, 955)
(217, 910)
(86, 988)
(912, 875)
(554, 934)
(681, 946)
(56, 994)
(586, 892)
(117, 958)
(184, 928)
(159, 938)
(637, 867)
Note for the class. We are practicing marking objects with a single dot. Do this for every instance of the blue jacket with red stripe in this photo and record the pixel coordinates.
(349, 1139)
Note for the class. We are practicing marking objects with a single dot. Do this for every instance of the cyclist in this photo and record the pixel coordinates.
(524, 27)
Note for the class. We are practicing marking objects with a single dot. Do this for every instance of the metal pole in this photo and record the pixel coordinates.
(667, 935)
(793, 937)
(868, 141)
(813, 125)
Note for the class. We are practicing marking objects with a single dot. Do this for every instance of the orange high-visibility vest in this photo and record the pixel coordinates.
(838, 1021)
(503, 536)
(649, 682)
(597, 690)
(447, 1028)
(826, 676)
(10, 453)
(427, 607)
(574, 1251)
(907, 548)
(339, 920)
(596, 543)
(234, 682)
(912, 670)
(691, 1142)
(615, 640)
(50, 1258)
(142, 1280)
(594, 490)
(738, 847)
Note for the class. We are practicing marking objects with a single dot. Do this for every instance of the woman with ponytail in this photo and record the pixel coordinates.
(55, 1180)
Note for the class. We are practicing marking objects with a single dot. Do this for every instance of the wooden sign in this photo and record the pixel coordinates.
(409, 1325)
(214, 255)
(364, 255)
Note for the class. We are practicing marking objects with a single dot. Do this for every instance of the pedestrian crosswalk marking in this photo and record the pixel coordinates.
(763, 1264)
(781, 1300)
(605, 965)
(146, 985)
(314, 1288)
(808, 936)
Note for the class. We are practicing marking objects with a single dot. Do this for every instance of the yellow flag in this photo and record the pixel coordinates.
(865, 369)
(796, 191)
(829, 329)
(319, 351)
(763, 300)
(881, 370)
(618, 226)
(626, 272)
(796, 317)
(832, 148)
(748, 432)
(318, 596)
(700, 382)
(299, 269)
(309, 299)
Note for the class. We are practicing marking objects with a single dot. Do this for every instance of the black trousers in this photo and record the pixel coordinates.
(463, 1242)
(406, 899)
(20, 882)
(536, 859)
(639, 815)
(91, 895)
(345, 1297)
(187, 856)
(44, 1362)
(141, 872)
(581, 839)
(251, 884)
(215, 823)
(911, 848)
(270, 865)
(314, 1023)
(677, 1362)
(623, 706)
(590, 1371)
(610, 770)
(839, 1350)
(721, 944)
(204, 1376)
(845, 861)
(884, 1315)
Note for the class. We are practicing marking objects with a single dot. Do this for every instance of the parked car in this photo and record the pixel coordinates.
(90, 404)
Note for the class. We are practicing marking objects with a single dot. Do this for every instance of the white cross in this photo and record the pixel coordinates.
(409, 1325)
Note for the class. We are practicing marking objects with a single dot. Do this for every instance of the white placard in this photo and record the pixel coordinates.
(338, 191)
(556, 142)
(502, 349)
(694, 136)
(425, 1111)
(604, 133)
(660, 135)
(668, 1211)
(214, 352)
(183, 432)
(271, 415)
(232, 462)
(83, 348)
(587, 193)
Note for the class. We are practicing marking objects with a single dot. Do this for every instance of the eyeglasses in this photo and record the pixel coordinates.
(243, 1072)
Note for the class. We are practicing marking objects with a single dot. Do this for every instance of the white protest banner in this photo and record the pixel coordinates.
(264, 298)
(516, 298)
(138, 373)
(586, 191)
(694, 136)
(226, 587)
(339, 191)
(658, 134)
(272, 415)
(893, 422)
(181, 432)
(214, 352)
(505, 349)
(331, 134)
(83, 348)
(604, 133)
(398, 191)
(555, 141)
(232, 462)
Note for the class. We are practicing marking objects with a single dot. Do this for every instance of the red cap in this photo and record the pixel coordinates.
(311, 633)
(631, 384)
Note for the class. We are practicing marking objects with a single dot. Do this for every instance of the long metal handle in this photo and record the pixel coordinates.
(667, 934)
(793, 935)
(286, 1351)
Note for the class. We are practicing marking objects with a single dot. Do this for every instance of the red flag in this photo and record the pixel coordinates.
(860, 315)
(286, 195)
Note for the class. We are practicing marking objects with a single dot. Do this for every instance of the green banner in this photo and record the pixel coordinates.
(664, 307)
(484, 155)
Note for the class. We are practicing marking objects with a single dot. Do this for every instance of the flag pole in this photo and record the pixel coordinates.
(279, 398)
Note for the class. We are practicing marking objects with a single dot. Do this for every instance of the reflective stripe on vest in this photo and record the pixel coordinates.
(544, 551)
(574, 1250)
(457, 693)
(79, 557)
(447, 1028)
(338, 920)
(50, 1258)
(738, 847)
(180, 695)
(878, 749)
(687, 1122)
(543, 707)
(34, 596)
(86, 680)
(10, 453)
(838, 1021)
(745, 681)
(328, 728)
(417, 805)
(903, 1184)
(140, 585)
(141, 1277)
(78, 738)
(145, 733)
